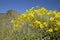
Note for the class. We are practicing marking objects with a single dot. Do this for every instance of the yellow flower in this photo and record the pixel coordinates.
(41, 26)
(16, 25)
(40, 11)
(52, 19)
(56, 28)
(50, 30)
(22, 16)
(54, 12)
(57, 15)
(36, 24)
(31, 14)
(12, 21)
(58, 22)
(45, 24)
(37, 11)
(28, 19)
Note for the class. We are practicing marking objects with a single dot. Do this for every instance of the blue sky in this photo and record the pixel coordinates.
(22, 5)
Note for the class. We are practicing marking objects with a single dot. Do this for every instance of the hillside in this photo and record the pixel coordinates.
(6, 17)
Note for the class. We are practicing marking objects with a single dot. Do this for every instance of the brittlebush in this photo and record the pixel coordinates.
(41, 19)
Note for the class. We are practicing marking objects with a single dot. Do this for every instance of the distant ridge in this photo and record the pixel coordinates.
(5, 18)
(10, 13)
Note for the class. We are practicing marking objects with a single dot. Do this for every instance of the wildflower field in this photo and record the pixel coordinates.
(34, 24)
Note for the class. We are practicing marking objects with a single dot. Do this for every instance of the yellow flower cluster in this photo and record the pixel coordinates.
(51, 19)
(38, 24)
(57, 15)
(50, 30)
(56, 28)
(15, 23)
(39, 18)
(58, 22)
(45, 24)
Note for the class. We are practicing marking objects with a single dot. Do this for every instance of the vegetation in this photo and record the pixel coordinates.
(34, 24)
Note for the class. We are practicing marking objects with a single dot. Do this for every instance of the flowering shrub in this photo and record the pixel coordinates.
(38, 24)
(34, 24)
